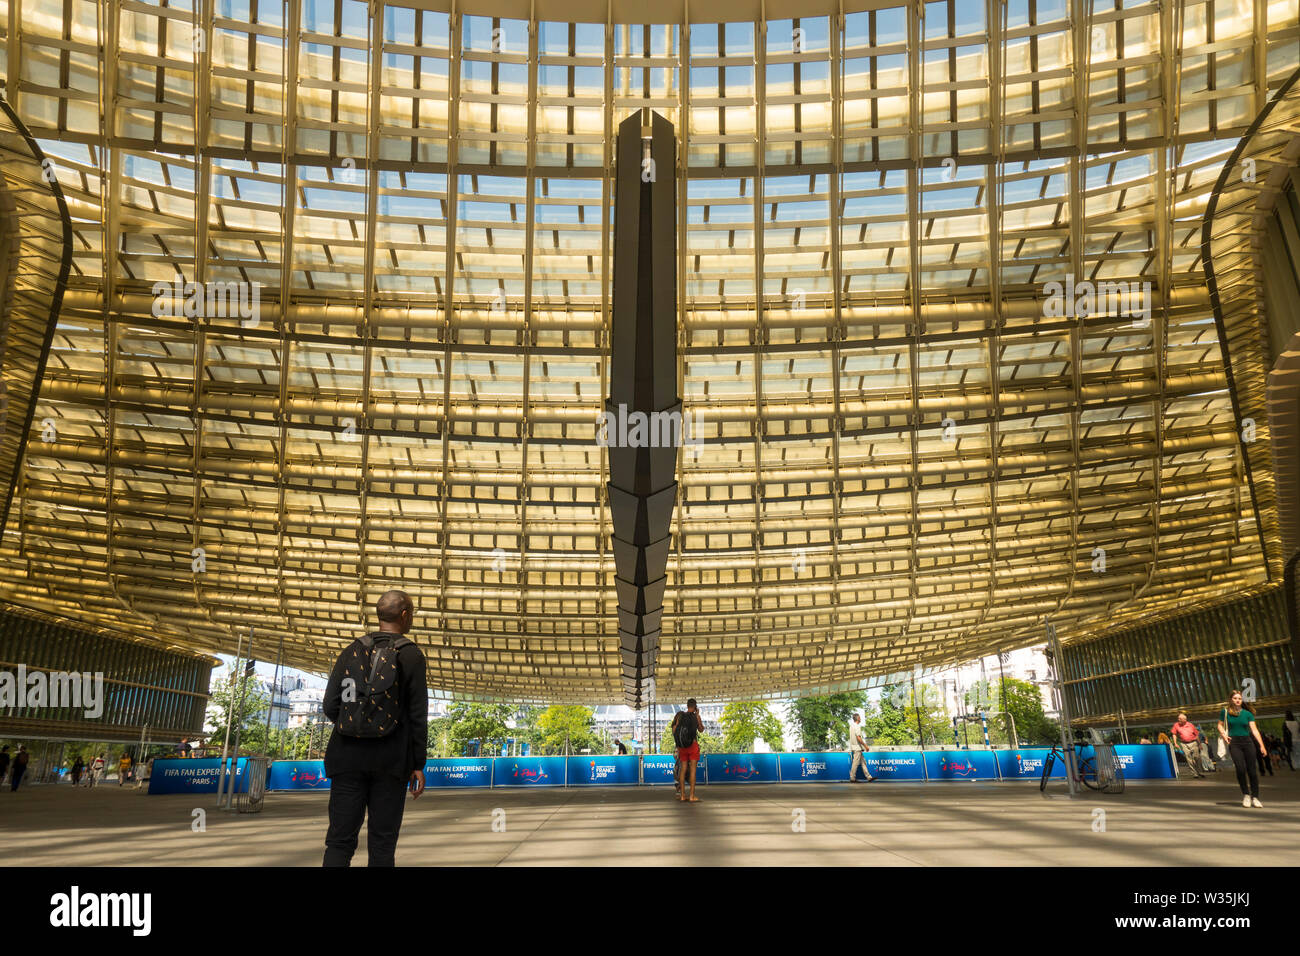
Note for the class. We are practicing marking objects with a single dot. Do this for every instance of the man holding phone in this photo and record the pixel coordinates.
(686, 728)
(378, 701)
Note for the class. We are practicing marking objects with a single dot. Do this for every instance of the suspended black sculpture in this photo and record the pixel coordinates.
(643, 423)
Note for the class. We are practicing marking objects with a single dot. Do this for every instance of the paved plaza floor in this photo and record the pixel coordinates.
(1188, 822)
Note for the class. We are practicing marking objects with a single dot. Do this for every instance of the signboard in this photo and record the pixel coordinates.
(1145, 761)
(298, 775)
(1140, 762)
(458, 772)
(961, 765)
(529, 772)
(743, 768)
(176, 775)
(830, 767)
(1026, 763)
(604, 771)
(894, 765)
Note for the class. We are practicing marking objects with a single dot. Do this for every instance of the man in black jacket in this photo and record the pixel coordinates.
(371, 774)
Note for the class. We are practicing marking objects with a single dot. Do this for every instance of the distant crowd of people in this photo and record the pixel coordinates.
(88, 770)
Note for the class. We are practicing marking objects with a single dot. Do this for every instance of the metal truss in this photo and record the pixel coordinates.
(908, 459)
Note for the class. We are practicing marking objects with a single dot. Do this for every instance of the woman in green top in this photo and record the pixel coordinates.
(1238, 730)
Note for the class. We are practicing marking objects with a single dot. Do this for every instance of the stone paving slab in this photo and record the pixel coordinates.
(1188, 822)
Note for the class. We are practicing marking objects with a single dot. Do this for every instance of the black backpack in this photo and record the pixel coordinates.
(684, 731)
(371, 706)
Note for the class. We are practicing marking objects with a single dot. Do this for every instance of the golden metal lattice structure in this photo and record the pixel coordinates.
(906, 460)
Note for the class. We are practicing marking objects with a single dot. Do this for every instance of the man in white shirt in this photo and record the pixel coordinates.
(857, 746)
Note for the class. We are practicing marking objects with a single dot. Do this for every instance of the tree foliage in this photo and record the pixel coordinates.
(567, 728)
(225, 699)
(1025, 704)
(745, 721)
(471, 720)
(823, 721)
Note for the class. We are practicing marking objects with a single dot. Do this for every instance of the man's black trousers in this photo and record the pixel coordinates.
(354, 794)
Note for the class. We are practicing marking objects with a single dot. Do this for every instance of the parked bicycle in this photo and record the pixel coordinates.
(1107, 777)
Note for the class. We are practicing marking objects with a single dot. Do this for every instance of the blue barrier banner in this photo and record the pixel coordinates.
(529, 772)
(605, 771)
(830, 767)
(193, 776)
(458, 772)
(894, 765)
(743, 768)
(961, 764)
(1140, 762)
(1027, 763)
(298, 775)
(658, 769)
(1145, 761)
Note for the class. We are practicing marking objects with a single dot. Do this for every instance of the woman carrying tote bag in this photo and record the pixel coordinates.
(1237, 729)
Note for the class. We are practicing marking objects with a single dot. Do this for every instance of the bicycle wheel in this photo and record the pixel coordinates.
(1088, 774)
(1047, 770)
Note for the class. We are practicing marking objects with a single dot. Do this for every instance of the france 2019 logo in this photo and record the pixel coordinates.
(1028, 766)
(812, 768)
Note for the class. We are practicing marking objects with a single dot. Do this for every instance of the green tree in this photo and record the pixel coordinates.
(823, 721)
(711, 744)
(895, 720)
(226, 698)
(440, 738)
(477, 721)
(744, 721)
(568, 727)
(1025, 704)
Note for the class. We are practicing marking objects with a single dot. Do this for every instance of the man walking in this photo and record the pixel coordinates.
(377, 700)
(4, 762)
(686, 727)
(857, 746)
(1188, 739)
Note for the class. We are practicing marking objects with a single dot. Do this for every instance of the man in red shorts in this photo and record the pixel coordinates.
(687, 725)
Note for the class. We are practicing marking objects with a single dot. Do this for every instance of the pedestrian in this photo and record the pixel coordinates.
(1237, 729)
(142, 777)
(687, 726)
(96, 771)
(1291, 740)
(1187, 738)
(4, 762)
(78, 768)
(183, 748)
(858, 747)
(19, 768)
(123, 768)
(377, 700)
(619, 748)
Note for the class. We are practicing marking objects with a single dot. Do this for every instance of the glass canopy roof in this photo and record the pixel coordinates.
(910, 454)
